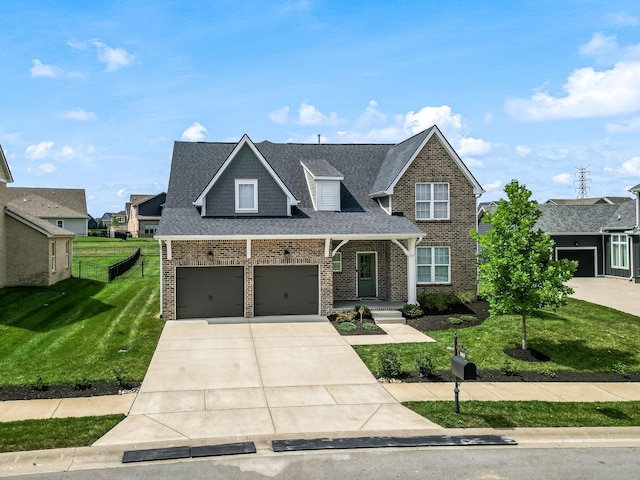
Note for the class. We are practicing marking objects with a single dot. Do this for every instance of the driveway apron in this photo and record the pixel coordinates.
(268, 377)
(615, 293)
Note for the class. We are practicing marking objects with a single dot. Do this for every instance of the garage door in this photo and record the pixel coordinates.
(209, 292)
(585, 258)
(286, 290)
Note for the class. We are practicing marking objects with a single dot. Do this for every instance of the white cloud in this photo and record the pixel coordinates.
(115, 58)
(473, 146)
(428, 116)
(45, 169)
(122, 192)
(195, 133)
(622, 19)
(371, 116)
(78, 114)
(589, 94)
(280, 116)
(39, 69)
(522, 150)
(562, 179)
(495, 185)
(606, 50)
(631, 126)
(40, 151)
(309, 115)
(631, 167)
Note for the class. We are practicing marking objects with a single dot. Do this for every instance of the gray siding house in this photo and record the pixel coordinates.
(252, 229)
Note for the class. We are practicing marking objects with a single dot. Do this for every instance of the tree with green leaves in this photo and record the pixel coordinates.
(516, 271)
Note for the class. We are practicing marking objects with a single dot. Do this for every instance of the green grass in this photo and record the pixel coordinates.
(54, 433)
(531, 414)
(579, 336)
(77, 329)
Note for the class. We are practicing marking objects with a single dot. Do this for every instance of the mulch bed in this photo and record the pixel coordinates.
(359, 329)
(64, 390)
(524, 376)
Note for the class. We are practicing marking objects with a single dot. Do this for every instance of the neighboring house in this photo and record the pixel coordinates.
(588, 201)
(65, 208)
(92, 224)
(273, 229)
(33, 251)
(117, 223)
(602, 236)
(143, 214)
(106, 219)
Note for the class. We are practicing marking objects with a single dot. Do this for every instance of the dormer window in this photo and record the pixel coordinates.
(246, 196)
(323, 181)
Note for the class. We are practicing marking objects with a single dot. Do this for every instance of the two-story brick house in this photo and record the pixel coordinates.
(252, 229)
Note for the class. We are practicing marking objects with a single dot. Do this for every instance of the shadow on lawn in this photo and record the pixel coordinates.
(578, 356)
(43, 309)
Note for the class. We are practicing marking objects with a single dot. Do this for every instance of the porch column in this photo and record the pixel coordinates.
(412, 272)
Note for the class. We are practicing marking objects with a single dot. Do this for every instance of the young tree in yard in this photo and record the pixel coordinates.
(517, 273)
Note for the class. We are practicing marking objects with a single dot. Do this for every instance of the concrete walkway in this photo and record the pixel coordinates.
(610, 292)
(255, 379)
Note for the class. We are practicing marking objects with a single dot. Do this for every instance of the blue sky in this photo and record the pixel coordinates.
(95, 93)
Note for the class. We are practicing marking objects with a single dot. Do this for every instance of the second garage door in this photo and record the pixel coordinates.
(209, 292)
(585, 258)
(286, 290)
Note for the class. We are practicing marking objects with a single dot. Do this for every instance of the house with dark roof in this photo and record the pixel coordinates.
(33, 251)
(602, 236)
(143, 214)
(65, 208)
(252, 229)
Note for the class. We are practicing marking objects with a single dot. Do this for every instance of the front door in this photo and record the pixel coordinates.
(366, 264)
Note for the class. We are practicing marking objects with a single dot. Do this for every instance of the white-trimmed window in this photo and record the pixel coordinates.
(67, 254)
(60, 223)
(53, 256)
(246, 196)
(619, 252)
(336, 262)
(150, 229)
(434, 264)
(432, 201)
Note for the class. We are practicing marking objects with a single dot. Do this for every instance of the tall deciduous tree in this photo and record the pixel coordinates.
(516, 271)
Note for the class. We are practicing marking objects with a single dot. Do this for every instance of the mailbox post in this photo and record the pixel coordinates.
(462, 369)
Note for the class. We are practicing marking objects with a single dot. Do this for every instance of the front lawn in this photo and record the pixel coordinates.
(531, 414)
(78, 331)
(577, 337)
(54, 432)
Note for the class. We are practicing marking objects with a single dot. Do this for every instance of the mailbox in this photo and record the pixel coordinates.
(463, 368)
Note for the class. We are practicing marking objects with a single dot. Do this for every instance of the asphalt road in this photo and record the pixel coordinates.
(423, 463)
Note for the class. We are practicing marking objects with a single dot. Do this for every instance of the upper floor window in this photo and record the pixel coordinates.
(246, 196)
(432, 201)
(60, 223)
(619, 252)
(434, 264)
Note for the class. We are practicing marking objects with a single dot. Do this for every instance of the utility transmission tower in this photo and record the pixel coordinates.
(582, 181)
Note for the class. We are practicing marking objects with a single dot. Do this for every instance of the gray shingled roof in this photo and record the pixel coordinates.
(585, 219)
(43, 201)
(623, 218)
(50, 229)
(195, 164)
(319, 167)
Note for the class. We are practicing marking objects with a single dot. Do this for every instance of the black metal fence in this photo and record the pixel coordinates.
(90, 271)
(119, 268)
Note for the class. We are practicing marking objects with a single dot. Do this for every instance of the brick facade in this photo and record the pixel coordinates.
(234, 253)
(434, 164)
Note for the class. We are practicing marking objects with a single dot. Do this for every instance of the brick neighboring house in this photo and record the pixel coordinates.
(273, 229)
(33, 251)
(65, 208)
(143, 214)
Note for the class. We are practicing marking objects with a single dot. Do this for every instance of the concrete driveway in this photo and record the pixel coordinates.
(610, 292)
(245, 380)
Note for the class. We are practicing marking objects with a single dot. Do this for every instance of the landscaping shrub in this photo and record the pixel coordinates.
(346, 317)
(468, 318)
(441, 301)
(411, 310)
(424, 365)
(347, 327)
(122, 377)
(455, 320)
(389, 365)
(40, 385)
(465, 297)
(547, 372)
(620, 368)
(81, 383)
(508, 369)
(370, 326)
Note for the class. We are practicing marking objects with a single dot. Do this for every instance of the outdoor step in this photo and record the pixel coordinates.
(388, 316)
